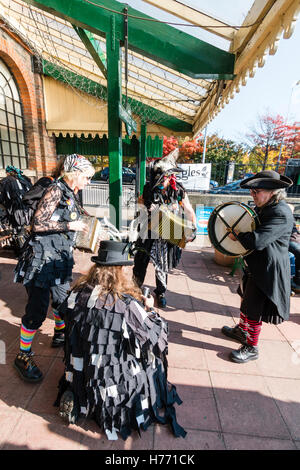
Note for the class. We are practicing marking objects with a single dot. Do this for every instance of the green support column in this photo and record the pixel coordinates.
(114, 89)
(143, 156)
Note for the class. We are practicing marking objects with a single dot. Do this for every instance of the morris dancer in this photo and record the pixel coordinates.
(267, 278)
(115, 351)
(162, 189)
(45, 266)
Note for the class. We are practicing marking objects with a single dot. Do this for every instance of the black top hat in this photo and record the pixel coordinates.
(112, 253)
(266, 179)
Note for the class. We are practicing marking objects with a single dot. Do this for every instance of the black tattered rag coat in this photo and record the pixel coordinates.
(268, 264)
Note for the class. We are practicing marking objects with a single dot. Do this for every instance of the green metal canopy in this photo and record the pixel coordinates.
(124, 26)
(163, 63)
(145, 68)
(157, 41)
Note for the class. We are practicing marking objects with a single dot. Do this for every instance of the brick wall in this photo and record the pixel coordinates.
(40, 147)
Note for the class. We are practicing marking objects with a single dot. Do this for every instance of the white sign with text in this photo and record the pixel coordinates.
(195, 175)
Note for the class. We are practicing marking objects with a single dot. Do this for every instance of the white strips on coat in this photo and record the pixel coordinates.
(135, 368)
(144, 403)
(140, 419)
(69, 376)
(111, 436)
(142, 311)
(137, 349)
(102, 393)
(93, 297)
(71, 300)
(124, 329)
(112, 391)
(96, 360)
(77, 362)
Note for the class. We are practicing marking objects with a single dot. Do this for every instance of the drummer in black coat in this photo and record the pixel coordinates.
(267, 278)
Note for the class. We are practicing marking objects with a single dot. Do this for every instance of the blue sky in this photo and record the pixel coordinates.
(271, 91)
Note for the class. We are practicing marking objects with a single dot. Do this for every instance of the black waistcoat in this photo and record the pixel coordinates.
(48, 258)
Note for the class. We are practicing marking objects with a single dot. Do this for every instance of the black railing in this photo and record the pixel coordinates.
(224, 173)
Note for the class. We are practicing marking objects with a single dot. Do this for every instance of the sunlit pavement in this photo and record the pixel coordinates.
(225, 405)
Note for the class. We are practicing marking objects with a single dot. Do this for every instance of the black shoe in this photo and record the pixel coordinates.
(161, 301)
(244, 354)
(235, 333)
(67, 407)
(58, 339)
(27, 368)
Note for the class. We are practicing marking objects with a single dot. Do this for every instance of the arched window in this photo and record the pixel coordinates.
(12, 138)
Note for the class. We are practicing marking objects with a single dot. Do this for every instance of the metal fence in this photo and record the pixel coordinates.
(226, 172)
(97, 194)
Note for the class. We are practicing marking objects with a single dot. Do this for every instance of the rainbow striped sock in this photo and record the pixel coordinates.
(59, 323)
(26, 339)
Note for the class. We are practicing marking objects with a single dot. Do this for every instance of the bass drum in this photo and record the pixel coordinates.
(228, 217)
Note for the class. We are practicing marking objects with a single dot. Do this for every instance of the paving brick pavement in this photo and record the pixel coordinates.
(225, 405)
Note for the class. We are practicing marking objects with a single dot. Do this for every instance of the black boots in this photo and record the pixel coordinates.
(27, 368)
(235, 333)
(58, 339)
(244, 354)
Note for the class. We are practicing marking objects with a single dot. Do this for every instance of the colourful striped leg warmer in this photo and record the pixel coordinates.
(59, 323)
(26, 339)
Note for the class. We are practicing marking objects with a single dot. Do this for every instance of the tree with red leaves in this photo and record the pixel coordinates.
(292, 140)
(266, 137)
(190, 150)
(169, 144)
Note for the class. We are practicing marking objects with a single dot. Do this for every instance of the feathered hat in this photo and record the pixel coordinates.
(166, 166)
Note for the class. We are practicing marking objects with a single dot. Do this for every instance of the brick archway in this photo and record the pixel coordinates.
(40, 147)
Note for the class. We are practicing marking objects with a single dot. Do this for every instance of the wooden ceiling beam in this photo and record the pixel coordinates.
(196, 17)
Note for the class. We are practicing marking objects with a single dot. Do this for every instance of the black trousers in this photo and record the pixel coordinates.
(141, 261)
(38, 303)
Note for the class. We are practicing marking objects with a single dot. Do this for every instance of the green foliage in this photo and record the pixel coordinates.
(220, 150)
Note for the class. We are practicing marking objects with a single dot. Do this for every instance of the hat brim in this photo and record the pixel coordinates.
(96, 260)
(266, 183)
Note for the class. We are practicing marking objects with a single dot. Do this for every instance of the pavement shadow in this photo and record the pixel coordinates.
(7, 252)
(201, 266)
(212, 410)
(216, 417)
(189, 303)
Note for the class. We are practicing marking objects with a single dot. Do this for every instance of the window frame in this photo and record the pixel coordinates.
(13, 145)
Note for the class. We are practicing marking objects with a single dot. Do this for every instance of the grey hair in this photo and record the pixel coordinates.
(279, 194)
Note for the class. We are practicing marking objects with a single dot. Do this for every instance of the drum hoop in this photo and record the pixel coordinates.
(212, 219)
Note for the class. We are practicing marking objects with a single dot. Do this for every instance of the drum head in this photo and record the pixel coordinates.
(234, 215)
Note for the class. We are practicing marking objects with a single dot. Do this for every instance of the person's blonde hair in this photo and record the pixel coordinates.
(112, 281)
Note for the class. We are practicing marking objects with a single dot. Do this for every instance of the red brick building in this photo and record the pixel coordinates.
(24, 141)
